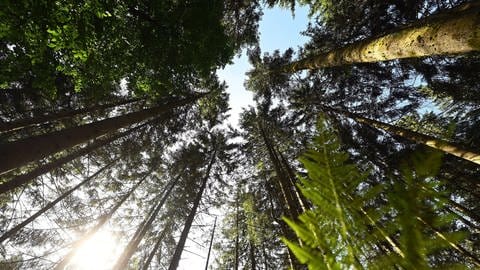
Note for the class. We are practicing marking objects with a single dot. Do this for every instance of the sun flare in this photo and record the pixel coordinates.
(98, 252)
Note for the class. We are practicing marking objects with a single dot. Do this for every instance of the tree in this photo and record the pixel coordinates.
(188, 223)
(445, 146)
(433, 36)
(40, 146)
(20, 123)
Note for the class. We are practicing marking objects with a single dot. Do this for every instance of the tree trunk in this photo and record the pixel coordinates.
(22, 179)
(253, 261)
(293, 206)
(66, 259)
(54, 116)
(18, 153)
(49, 205)
(188, 223)
(433, 142)
(453, 32)
(142, 230)
(156, 247)
(237, 231)
(211, 242)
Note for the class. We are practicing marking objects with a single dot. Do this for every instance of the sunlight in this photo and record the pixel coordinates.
(98, 252)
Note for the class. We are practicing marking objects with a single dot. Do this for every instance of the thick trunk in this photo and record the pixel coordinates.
(188, 223)
(454, 32)
(445, 146)
(18, 153)
(142, 230)
(66, 259)
(25, 178)
(49, 205)
(211, 242)
(21, 123)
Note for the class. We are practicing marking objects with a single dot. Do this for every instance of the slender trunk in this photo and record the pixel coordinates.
(21, 123)
(156, 247)
(442, 34)
(285, 231)
(292, 204)
(459, 248)
(142, 230)
(25, 178)
(18, 153)
(292, 178)
(67, 258)
(188, 223)
(49, 205)
(237, 231)
(252, 255)
(433, 142)
(211, 242)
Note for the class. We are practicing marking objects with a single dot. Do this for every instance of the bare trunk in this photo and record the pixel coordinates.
(454, 32)
(21, 123)
(142, 230)
(18, 153)
(188, 223)
(211, 242)
(25, 178)
(156, 247)
(253, 261)
(66, 259)
(49, 205)
(293, 205)
(445, 146)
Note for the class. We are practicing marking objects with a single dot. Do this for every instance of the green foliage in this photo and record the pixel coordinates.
(350, 219)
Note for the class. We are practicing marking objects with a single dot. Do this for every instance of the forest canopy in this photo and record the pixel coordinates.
(361, 149)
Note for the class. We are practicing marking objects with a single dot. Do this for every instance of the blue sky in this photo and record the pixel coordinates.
(278, 30)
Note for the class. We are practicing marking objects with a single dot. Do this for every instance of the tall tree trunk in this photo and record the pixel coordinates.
(54, 116)
(292, 178)
(293, 206)
(211, 242)
(237, 231)
(67, 258)
(453, 32)
(293, 262)
(188, 223)
(18, 153)
(157, 246)
(142, 230)
(49, 205)
(433, 142)
(22, 179)
(253, 261)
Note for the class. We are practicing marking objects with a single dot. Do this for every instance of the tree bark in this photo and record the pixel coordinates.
(188, 223)
(433, 142)
(453, 32)
(25, 178)
(18, 153)
(66, 259)
(54, 116)
(49, 205)
(142, 230)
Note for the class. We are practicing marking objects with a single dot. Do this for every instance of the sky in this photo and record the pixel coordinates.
(278, 30)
